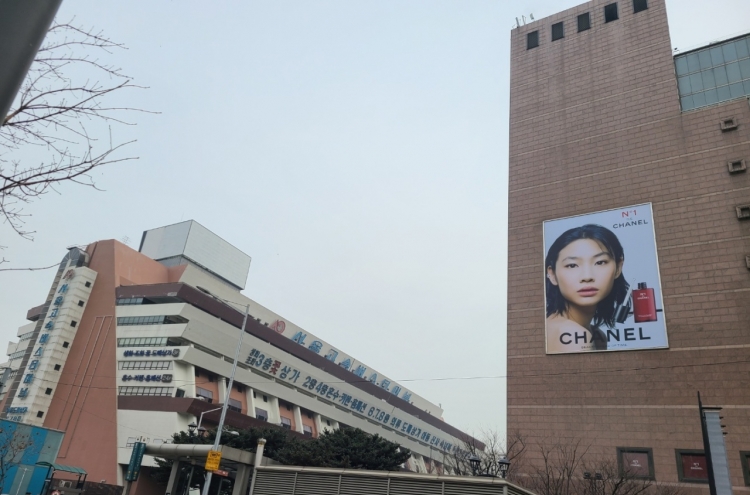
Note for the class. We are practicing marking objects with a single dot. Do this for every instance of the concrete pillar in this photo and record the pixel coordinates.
(189, 383)
(223, 392)
(274, 415)
(298, 419)
(173, 477)
(250, 402)
(318, 424)
(242, 480)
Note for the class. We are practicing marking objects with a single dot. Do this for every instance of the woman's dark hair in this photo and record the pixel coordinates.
(605, 310)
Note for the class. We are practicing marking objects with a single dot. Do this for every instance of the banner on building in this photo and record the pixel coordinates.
(602, 284)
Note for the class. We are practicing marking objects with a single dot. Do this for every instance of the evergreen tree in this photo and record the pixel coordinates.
(345, 448)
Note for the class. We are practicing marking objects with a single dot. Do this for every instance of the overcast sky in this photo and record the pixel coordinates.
(357, 150)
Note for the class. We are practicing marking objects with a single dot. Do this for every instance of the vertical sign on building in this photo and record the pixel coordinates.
(136, 457)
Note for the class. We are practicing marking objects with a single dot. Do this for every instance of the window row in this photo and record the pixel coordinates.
(142, 342)
(153, 391)
(145, 365)
(715, 95)
(712, 56)
(16, 355)
(583, 22)
(150, 320)
(692, 465)
(129, 301)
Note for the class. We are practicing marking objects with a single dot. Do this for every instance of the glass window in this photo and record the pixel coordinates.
(742, 48)
(286, 423)
(717, 57)
(693, 62)
(558, 31)
(584, 22)
(683, 83)
(532, 40)
(730, 52)
(206, 394)
(745, 460)
(699, 99)
(696, 82)
(736, 91)
(733, 72)
(745, 68)
(680, 64)
(704, 59)
(711, 97)
(746, 84)
(261, 414)
(610, 12)
(307, 430)
(235, 405)
(687, 103)
(708, 79)
(639, 5)
(691, 466)
(720, 74)
(724, 93)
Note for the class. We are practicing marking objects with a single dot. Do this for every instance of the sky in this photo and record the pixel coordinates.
(357, 150)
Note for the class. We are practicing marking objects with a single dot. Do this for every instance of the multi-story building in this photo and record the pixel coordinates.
(616, 137)
(136, 345)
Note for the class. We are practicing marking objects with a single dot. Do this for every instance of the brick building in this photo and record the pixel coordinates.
(604, 116)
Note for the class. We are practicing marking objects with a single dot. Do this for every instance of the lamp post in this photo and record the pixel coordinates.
(224, 407)
(200, 419)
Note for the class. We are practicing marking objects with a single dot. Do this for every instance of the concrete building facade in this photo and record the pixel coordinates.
(603, 116)
(133, 346)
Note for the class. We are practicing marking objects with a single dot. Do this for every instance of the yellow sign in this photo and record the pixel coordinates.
(213, 460)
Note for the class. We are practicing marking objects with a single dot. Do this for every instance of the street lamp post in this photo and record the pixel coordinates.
(220, 428)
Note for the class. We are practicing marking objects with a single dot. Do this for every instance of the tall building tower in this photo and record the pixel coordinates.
(629, 239)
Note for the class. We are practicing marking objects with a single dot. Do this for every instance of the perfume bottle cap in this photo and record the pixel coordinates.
(642, 285)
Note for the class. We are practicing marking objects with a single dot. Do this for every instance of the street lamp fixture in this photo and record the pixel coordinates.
(474, 462)
(492, 471)
(503, 466)
(191, 428)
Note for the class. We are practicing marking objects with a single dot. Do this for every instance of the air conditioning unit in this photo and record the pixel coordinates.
(65, 484)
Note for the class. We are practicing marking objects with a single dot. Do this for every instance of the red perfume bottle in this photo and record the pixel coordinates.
(644, 304)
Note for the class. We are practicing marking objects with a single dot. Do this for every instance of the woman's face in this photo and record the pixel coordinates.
(585, 272)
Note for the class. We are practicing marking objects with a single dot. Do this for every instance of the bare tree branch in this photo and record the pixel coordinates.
(56, 113)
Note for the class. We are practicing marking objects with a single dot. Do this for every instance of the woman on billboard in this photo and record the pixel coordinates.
(585, 288)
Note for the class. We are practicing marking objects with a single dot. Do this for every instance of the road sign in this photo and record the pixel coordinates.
(220, 472)
(134, 468)
(213, 460)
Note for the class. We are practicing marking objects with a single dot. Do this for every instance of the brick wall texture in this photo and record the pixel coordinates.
(595, 124)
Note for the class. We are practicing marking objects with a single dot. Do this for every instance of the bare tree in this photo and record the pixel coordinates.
(567, 467)
(64, 94)
(489, 449)
(14, 444)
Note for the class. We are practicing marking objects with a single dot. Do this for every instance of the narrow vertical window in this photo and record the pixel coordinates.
(639, 5)
(584, 22)
(610, 12)
(532, 40)
(558, 31)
